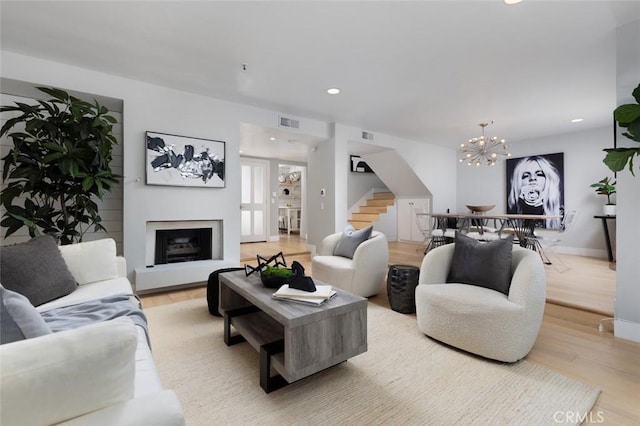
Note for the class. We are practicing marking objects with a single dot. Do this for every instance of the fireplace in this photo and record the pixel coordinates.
(182, 245)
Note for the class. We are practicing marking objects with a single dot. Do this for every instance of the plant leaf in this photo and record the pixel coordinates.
(55, 93)
(53, 146)
(633, 130)
(12, 228)
(627, 113)
(87, 183)
(617, 158)
(51, 157)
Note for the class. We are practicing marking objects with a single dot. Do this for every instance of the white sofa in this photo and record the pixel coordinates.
(99, 374)
(363, 275)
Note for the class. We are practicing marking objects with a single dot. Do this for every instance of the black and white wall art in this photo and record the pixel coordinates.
(358, 165)
(535, 185)
(184, 161)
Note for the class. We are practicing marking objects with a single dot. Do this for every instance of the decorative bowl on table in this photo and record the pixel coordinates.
(480, 209)
(275, 277)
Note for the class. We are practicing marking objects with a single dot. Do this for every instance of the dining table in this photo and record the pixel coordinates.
(521, 225)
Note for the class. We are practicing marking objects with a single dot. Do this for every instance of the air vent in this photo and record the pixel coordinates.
(289, 123)
(367, 135)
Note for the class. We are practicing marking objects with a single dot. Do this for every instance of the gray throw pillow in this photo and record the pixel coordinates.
(36, 270)
(483, 264)
(19, 320)
(350, 241)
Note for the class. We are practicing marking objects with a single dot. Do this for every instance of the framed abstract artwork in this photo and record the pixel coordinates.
(535, 185)
(358, 165)
(184, 161)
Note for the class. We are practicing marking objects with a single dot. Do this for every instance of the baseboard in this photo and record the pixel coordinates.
(273, 238)
(626, 330)
(312, 249)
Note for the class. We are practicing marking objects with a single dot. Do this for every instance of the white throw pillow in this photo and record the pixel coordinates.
(52, 378)
(91, 261)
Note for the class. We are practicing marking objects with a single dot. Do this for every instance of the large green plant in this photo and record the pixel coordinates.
(59, 165)
(627, 116)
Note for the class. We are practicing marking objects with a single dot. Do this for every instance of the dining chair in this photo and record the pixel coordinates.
(443, 231)
(480, 229)
(546, 242)
(423, 221)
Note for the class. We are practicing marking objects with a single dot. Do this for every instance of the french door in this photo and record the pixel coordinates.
(253, 201)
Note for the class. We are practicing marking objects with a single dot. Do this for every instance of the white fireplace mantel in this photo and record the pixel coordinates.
(169, 275)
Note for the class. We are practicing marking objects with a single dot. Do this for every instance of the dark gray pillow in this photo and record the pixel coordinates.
(36, 270)
(19, 320)
(350, 241)
(483, 264)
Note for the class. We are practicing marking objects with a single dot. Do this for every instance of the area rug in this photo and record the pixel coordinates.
(403, 378)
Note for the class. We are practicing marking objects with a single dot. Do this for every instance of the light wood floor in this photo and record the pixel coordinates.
(587, 284)
(569, 341)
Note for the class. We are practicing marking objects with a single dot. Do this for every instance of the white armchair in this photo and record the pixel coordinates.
(363, 275)
(477, 319)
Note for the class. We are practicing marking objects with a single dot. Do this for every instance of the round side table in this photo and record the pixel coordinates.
(401, 288)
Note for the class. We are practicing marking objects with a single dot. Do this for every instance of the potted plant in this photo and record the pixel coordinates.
(628, 117)
(57, 167)
(606, 187)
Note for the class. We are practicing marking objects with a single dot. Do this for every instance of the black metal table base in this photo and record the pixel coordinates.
(607, 238)
(228, 338)
(267, 382)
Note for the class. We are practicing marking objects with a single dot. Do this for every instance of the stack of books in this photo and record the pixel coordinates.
(317, 298)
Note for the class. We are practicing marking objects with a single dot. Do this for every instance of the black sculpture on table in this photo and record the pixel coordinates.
(296, 280)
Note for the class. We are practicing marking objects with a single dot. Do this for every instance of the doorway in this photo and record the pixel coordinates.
(292, 199)
(253, 201)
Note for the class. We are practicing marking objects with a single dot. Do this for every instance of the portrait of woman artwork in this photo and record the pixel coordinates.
(535, 185)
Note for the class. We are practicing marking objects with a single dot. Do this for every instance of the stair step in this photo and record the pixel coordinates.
(373, 209)
(368, 217)
(359, 224)
(383, 195)
(380, 202)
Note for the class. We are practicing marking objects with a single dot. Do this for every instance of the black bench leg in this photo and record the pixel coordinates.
(228, 338)
(268, 383)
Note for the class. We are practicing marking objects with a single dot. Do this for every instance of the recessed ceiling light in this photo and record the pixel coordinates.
(512, 1)
(577, 120)
(333, 91)
(272, 138)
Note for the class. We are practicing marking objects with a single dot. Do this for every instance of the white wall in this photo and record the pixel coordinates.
(160, 109)
(359, 184)
(627, 307)
(434, 165)
(321, 167)
(401, 179)
(582, 166)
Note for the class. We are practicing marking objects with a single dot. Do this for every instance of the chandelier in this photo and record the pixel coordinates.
(481, 150)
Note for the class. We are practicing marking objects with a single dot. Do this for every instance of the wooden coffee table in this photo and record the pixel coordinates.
(294, 339)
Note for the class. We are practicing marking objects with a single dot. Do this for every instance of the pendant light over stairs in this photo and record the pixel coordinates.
(372, 210)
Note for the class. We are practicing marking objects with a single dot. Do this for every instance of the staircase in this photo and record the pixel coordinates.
(370, 212)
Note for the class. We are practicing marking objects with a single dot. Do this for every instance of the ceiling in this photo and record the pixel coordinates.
(423, 70)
